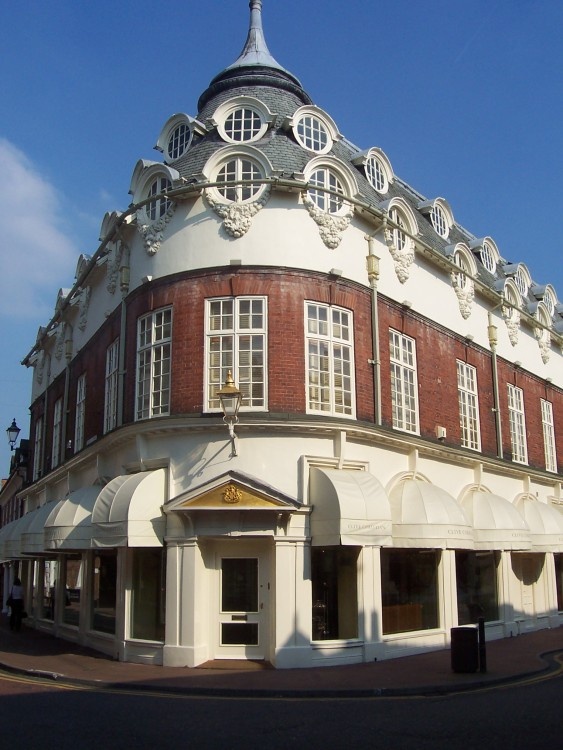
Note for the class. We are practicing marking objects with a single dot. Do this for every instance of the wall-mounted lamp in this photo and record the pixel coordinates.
(12, 432)
(230, 398)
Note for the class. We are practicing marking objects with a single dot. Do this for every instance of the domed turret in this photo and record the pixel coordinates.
(255, 66)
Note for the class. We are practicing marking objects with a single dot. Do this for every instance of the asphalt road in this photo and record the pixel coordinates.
(51, 716)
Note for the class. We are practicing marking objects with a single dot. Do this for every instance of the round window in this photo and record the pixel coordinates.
(238, 176)
(179, 141)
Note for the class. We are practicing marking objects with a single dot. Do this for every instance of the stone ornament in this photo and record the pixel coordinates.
(237, 217)
(465, 294)
(402, 259)
(512, 320)
(152, 234)
(330, 227)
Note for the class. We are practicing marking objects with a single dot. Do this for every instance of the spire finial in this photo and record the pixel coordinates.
(255, 50)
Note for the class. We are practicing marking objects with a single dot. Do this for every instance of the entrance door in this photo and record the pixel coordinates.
(243, 594)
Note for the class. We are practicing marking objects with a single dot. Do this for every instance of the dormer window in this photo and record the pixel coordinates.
(329, 179)
(160, 205)
(377, 169)
(313, 129)
(240, 171)
(242, 120)
(176, 136)
(179, 141)
(149, 183)
(487, 252)
(440, 214)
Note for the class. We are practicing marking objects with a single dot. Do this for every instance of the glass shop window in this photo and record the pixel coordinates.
(72, 576)
(477, 589)
(409, 587)
(558, 557)
(48, 574)
(148, 594)
(334, 572)
(104, 591)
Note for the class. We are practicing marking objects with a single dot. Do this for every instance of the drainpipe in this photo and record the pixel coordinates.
(493, 340)
(372, 265)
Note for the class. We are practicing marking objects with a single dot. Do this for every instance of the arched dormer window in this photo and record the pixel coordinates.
(521, 276)
(241, 190)
(313, 129)
(377, 169)
(328, 179)
(329, 183)
(440, 214)
(545, 294)
(242, 120)
(149, 185)
(176, 136)
(487, 252)
(151, 180)
(400, 230)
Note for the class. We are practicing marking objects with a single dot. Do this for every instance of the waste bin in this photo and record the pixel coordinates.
(465, 649)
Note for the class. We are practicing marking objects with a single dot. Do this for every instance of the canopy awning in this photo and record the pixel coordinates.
(127, 512)
(70, 525)
(349, 507)
(33, 539)
(11, 541)
(545, 523)
(5, 534)
(497, 524)
(427, 516)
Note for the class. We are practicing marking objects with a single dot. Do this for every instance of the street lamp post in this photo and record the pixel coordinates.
(12, 432)
(230, 398)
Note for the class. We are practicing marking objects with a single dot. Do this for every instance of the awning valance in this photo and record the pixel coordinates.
(497, 524)
(545, 523)
(427, 516)
(70, 525)
(127, 512)
(5, 534)
(349, 507)
(33, 538)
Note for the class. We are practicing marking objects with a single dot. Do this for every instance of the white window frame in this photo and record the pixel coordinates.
(468, 397)
(517, 422)
(261, 116)
(548, 427)
(404, 382)
(439, 220)
(80, 416)
(237, 340)
(111, 386)
(329, 357)
(154, 364)
(57, 433)
(38, 449)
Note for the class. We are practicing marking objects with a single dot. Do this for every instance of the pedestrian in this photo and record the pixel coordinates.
(15, 601)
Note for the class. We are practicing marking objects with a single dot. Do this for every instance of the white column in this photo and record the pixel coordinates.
(292, 601)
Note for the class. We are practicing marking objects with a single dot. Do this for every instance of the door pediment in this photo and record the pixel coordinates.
(233, 491)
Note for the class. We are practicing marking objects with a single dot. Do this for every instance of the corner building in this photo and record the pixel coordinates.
(395, 469)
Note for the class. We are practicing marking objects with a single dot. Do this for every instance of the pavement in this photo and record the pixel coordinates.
(34, 653)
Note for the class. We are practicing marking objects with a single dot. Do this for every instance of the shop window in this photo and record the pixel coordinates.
(409, 587)
(48, 574)
(334, 573)
(148, 594)
(104, 591)
(72, 577)
(477, 589)
(559, 579)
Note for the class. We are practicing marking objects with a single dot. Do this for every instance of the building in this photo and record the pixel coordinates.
(394, 469)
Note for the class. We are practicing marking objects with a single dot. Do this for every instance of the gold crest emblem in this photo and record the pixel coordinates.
(231, 495)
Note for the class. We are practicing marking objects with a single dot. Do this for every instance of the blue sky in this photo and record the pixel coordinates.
(464, 96)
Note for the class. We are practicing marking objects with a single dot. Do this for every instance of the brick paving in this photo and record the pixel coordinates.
(38, 653)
